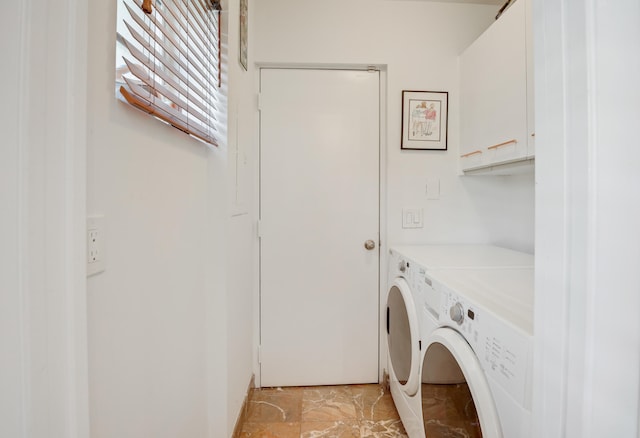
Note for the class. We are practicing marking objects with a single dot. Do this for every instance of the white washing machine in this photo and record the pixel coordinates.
(415, 319)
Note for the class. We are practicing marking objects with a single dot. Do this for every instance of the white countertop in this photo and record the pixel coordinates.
(507, 293)
(464, 256)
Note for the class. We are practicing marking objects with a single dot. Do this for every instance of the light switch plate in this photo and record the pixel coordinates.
(95, 245)
(412, 218)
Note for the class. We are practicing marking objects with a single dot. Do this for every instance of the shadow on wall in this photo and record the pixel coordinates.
(506, 207)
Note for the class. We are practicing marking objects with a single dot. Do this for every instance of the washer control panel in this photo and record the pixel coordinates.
(456, 313)
(503, 351)
(399, 266)
(427, 295)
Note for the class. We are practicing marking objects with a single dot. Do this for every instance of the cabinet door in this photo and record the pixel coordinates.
(494, 93)
(531, 125)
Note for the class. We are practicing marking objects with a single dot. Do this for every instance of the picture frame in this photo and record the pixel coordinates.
(244, 40)
(424, 120)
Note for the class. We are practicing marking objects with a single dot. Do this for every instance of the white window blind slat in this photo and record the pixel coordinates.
(201, 113)
(182, 29)
(166, 48)
(176, 115)
(173, 71)
(171, 62)
(142, 99)
(174, 48)
(201, 8)
(148, 62)
(187, 13)
(184, 25)
(200, 27)
(194, 12)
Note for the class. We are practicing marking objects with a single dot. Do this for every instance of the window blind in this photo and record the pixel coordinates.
(168, 62)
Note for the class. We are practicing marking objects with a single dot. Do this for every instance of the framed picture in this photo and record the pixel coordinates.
(424, 120)
(244, 11)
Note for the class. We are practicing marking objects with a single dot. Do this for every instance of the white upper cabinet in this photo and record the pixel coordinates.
(496, 95)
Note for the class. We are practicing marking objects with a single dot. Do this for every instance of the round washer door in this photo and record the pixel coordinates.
(403, 336)
(469, 364)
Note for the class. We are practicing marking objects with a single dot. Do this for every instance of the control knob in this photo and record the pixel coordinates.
(457, 313)
(402, 265)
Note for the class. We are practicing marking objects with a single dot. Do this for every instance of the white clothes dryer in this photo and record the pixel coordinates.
(413, 314)
(486, 327)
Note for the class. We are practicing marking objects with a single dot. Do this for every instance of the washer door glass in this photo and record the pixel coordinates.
(456, 399)
(402, 336)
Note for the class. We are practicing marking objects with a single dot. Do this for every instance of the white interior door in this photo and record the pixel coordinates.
(319, 204)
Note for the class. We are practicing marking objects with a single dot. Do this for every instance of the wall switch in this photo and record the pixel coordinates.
(95, 245)
(412, 218)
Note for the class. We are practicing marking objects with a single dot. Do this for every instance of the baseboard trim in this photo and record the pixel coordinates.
(244, 411)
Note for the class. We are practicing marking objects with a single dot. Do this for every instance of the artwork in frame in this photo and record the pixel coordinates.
(244, 17)
(424, 120)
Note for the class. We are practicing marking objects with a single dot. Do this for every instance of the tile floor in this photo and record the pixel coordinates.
(449, 411)
(322, 411)
(355, 411)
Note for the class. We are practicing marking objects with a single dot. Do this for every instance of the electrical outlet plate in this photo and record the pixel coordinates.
(95, 245)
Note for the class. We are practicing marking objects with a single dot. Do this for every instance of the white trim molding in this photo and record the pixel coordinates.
(587, 337)
(48, 285)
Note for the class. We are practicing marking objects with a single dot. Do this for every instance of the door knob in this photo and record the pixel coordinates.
(369, 244)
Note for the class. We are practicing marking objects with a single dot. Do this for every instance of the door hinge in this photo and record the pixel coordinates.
(258, 229)
(259, 101)
(259, 353)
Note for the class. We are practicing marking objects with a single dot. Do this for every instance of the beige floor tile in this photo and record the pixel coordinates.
(328, 403)
(373, 403)
(449, 411)
(434, 429)
(330, 429)
(322, 411)
(275, 405)
(271, 430)
(382, 429)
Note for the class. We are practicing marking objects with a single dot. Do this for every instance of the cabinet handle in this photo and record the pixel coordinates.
(470, 153)
(496, 146)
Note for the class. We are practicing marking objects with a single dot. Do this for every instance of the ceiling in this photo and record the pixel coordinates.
(477, 2)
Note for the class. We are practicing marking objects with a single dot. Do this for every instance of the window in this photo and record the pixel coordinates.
(168, 62)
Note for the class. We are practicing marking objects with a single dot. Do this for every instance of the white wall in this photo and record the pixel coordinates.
(587, 352)
(241, 313)
(12, 391)
(170, 322)
(418, 43)
(43, 365)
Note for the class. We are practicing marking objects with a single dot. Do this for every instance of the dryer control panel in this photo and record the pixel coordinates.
(503, 351)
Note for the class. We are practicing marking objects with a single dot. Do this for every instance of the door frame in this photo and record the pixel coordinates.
(582, 280)
(382, 204)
